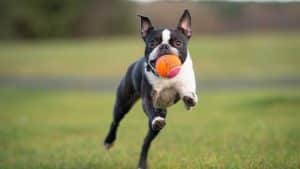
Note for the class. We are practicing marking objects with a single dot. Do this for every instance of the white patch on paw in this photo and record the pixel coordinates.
(192, 95)
(157, 119)
(107, 146)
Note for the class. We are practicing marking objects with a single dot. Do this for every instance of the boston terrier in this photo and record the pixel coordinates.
(157, 93)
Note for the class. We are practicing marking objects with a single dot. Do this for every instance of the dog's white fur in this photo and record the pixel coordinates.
(158, 118)
(166, 36)
(184, 83)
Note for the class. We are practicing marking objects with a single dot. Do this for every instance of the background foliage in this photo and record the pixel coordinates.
(58, 18)
(93, 18)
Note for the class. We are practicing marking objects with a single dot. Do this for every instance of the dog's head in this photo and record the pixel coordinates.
(166, 41)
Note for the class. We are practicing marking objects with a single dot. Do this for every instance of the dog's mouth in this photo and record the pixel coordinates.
(153, 62)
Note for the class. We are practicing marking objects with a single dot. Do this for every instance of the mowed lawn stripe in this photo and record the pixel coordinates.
(253, 55)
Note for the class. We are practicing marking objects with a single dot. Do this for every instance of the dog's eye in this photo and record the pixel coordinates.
(152, 44)
(178, 43)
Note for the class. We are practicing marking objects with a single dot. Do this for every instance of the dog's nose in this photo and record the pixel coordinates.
(164, 47)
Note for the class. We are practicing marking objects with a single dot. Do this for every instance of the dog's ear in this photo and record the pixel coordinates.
(146, 26)
(185, 24)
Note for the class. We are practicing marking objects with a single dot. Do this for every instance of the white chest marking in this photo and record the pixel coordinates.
(184, 82)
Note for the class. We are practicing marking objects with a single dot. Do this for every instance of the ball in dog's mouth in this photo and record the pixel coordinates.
(168, 66)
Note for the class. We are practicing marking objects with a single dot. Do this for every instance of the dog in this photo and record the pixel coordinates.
(157, 93)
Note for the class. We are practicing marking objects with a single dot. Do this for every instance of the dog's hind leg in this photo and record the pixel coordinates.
(125, 98)
(156, 123)
(152, 133)
(145, 148)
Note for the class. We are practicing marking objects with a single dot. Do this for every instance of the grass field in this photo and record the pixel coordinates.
(257, 128)
(257, 55)
(234, 130)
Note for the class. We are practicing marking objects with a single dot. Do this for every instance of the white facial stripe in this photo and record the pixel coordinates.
(166, 35)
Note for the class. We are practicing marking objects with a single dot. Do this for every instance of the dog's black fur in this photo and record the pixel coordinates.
(135, 83)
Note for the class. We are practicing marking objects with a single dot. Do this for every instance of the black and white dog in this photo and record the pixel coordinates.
(157, 93)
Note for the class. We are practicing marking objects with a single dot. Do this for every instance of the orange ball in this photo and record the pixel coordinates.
(168, 66)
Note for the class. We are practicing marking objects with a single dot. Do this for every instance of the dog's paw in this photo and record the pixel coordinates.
(190, 100)
(142, 167)
(107, 146)
(109, 141)
(158, 123)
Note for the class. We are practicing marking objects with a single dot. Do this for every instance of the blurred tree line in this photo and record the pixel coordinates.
(31, 19)
(62, 18)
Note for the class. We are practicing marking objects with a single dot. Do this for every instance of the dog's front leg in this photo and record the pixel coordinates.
(155, 124)
(186, 85)
(187, 92)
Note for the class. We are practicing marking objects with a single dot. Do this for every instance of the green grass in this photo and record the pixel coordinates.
(256, 129)
(49, 129)
(255, 55)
